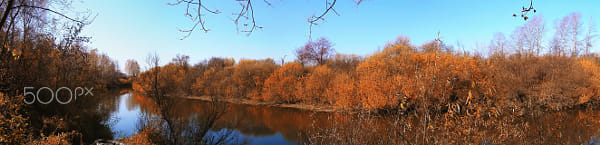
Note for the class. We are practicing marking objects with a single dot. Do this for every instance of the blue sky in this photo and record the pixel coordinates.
(130, 29)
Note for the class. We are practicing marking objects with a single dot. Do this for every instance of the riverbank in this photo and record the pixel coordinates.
(308, 107)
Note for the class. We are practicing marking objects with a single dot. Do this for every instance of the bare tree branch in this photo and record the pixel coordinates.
(525, 11)
(6, 12)
(50, 10)
(247, 12)
(314, 19)
(197, 18)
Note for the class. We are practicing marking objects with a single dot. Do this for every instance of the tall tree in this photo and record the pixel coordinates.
(132, 68)
(316, 52)
(498, 44)
(182, 61)
(528, 38)
(575, 25)
(535, 28)
(590, 35)
(566, 38)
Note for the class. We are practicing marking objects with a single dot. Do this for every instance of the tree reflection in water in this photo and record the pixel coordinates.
(578, 126)
(236, 122)
(165, 124)
(89, 116)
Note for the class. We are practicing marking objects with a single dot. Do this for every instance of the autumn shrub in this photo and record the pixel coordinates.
(552, 82)
(144, 82)
(401, 77)
(141, 138)
(63, 138)
(378, 85)
(592, 69)
(344, 63)
(342, 92)
(216, 78)
(170, 79)
(14, 126)
(250, 75)
(137, 85)
(281, 86)
(315, 85)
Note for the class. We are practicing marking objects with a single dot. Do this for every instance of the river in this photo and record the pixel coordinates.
(118, 114)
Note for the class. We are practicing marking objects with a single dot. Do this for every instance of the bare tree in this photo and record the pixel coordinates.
(518, 42)
(132, 68)
(590, 35)
(28, 10)
(304, 54)
(575, 25)
(527, 39)
(155, 92)
(182, 61)
(566, 38)
(498, 44)
(315, 51)
(560, 39)
(533, 32)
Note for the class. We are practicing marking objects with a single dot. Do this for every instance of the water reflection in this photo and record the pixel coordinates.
(89, 115)
(253, 124)
(126, 116)
(115, 114)
(263, 124)
(565, 127)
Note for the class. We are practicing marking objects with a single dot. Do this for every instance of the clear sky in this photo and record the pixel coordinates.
(130, 29)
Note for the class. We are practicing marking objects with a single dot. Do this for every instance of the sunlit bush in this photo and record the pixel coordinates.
(14, 126)
(282, 85)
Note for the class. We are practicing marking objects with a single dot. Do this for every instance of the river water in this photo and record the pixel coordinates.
(120, 114)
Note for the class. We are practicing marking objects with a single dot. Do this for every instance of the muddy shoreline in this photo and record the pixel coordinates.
(308, 107)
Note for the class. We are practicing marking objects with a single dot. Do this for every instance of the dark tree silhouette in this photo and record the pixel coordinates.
(525, 11)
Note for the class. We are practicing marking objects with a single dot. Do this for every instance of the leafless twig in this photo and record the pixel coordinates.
(314, 19)
(247, 12)
(197, 18)
(50, 10)
(524, 11)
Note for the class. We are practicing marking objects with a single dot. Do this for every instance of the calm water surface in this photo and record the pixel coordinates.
(255, 124)
(118, 114)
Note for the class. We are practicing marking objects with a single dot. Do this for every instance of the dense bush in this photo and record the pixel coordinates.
(283, 84)
(402, 77)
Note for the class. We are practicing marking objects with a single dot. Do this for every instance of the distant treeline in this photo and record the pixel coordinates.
(37, 61)
(521, 72)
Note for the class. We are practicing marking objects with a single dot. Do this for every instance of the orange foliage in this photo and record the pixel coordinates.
(593, 70)
(250, 75)
(401, 74)
(170, 80)
(315, 85)
(282, 85)
(141, 138)
(400, 77)
(14, 126)
(215, 79)
(342, 92)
